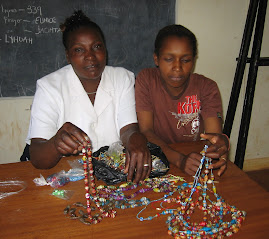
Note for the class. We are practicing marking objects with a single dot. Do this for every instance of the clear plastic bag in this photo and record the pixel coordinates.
(63, 194)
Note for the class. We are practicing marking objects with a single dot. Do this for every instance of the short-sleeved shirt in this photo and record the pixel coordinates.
(60, 97)
(181, 119)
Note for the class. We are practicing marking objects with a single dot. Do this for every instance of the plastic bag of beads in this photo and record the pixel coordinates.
(63, 194)
(76, 164)
(57, 180)
(109, 163)
(160, 164)
(40, 181)
(75, 174)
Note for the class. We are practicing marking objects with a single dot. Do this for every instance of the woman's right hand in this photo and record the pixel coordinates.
(190, 163)
(70, 139)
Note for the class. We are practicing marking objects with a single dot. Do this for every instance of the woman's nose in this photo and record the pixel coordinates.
(89, 55)
(177, 65)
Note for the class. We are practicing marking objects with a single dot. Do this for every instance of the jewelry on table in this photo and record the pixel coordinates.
(179, 202)
(214, 223)
(90, 189)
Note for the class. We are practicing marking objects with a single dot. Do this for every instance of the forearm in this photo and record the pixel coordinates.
(128, 131)
(43, 153)
(173, 156)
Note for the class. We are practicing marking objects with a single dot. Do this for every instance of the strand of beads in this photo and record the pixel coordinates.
(213, 224)
(90, 185)
(165, 198)
(116, 195)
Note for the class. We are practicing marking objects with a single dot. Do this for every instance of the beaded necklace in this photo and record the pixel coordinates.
(90, 186)
(214, 223)
(179, 208)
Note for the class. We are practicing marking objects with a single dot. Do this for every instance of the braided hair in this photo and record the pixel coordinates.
(175, 30)
(75, 21)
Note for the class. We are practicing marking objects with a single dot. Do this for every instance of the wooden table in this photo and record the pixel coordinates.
(35, 213)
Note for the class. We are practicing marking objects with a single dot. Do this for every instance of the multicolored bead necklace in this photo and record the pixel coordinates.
(90, 186)
(214, 223)
(201, 195)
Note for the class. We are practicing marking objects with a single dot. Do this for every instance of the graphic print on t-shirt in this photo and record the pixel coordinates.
(188, 113)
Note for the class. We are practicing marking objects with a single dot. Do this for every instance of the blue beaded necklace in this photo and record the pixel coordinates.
(214, 223)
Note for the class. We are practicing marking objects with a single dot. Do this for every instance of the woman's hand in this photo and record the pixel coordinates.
(190, 163)
(218, 148)
(70, 139)
(138, 159)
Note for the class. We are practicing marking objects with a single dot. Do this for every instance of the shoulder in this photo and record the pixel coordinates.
(117, 73)
(56, 78)
(201, 79)
(202, 82)
(150, 73)
(148, 76)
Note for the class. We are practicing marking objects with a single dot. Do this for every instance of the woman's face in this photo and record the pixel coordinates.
(175, 62)
(86, 52)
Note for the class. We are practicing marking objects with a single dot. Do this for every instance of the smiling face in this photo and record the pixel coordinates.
(175, 61)
(86, 52)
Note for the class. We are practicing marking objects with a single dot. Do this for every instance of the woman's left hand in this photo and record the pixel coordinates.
(138, 158)
(218, 148)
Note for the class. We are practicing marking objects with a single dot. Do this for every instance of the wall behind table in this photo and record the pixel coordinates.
(31, 43)
(219, 37)
(31, 47)
(14, 121)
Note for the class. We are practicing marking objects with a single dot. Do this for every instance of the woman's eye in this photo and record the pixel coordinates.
(78, 50)
(98, 46)
(168, 59)
(186, 60)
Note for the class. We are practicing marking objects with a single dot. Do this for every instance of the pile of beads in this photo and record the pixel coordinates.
(116, 161)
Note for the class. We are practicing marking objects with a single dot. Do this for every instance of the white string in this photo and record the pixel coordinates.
(21, 184)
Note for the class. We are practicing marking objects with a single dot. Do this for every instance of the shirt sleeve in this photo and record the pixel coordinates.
(126, 110)
(211, 100)
(44, 114)
(142, 92)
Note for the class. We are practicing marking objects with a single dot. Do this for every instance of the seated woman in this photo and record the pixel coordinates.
(86, 100)
(175, 105)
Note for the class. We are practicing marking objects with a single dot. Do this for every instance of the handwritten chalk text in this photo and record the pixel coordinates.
(42, 20)
(13, 21)
(47, 30)
(18, 39)
(8, 11)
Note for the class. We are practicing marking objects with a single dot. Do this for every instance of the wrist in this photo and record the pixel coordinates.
(227, 140)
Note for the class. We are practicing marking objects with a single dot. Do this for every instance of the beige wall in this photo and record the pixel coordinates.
(14, 121)
(218, 25)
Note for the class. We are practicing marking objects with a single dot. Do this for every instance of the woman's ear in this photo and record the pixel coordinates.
(67, 56)
(156, 60)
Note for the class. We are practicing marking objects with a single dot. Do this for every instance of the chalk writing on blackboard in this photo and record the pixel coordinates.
(31, 45)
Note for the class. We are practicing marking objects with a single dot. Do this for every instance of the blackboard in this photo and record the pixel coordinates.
(31, 42)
